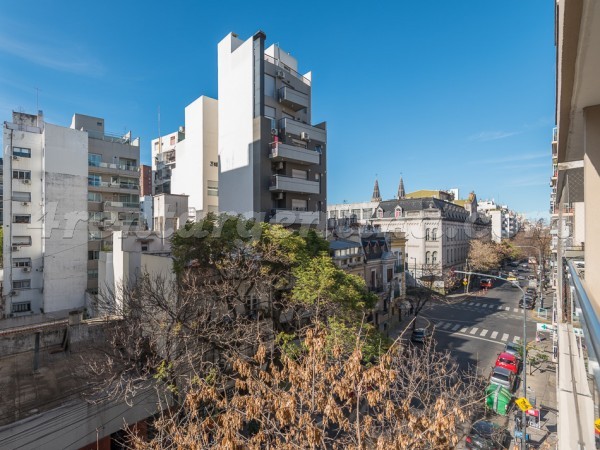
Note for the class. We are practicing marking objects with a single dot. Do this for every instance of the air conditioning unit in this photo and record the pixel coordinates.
(304, 136)
(274, 131)
(26, 269)
(15, 248)
(26, 181)
(280, 74)
(14, 293)
(15, 157)
(25, 203)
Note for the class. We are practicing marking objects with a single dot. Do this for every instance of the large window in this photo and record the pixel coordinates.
(434, 234)
(94, 159)
(93, 254)
(21, 307)
(22, 174)
(269, 86)
(21, 218)
(21, 240)
(21, 262)
(21, 284)
(94, 180)
(212, 188)
(21, 196)
(434, 257)
(428, 258)
(22, 152)
(302, 174)
(299, 205)
(94, 197)
(427, 234)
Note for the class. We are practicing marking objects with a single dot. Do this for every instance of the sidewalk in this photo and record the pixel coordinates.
(541, 392)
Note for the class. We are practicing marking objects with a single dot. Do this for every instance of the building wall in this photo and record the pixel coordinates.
(65, 245)
(170, 213)
(145, 180)
(197, 159)
(591, 170)
(235, 119)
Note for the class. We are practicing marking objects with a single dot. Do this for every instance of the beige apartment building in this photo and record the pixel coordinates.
(575, 185)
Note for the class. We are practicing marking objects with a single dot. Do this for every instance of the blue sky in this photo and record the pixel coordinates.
(448, 94)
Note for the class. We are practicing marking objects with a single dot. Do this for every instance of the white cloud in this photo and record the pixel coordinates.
(55, 57)
(491, 135)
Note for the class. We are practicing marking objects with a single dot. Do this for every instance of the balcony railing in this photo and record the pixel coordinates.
(289, 70)
(127, 167)
(290, 184)
(122, 204)
(106, 184)
(292, 98)
(300, 155)
(302, 130)
(289, 217)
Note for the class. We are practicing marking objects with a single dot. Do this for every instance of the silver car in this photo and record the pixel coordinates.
(503, 377)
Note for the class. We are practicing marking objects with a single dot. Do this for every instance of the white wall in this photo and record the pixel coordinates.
(65, 240)
(195, 153)
(579, 223)
(235, 118)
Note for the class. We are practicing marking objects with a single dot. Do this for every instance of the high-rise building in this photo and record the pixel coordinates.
(113, 187)
(70, 189)
(45, 216)
(164, 154)
(272, 159)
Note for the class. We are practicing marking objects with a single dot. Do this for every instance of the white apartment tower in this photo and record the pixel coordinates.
(45, 212)
(272, 160)
(186, 163)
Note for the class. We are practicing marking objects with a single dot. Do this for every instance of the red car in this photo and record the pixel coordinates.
(486, 283)
(508, 361)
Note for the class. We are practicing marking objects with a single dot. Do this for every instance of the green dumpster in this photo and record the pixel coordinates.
(497, 398)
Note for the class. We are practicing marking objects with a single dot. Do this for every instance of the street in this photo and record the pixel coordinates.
(476, 328)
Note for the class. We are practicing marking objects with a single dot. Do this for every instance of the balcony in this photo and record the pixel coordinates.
(121, 205)
(112, 167)
(278, 63)
(285, 152)
(292, 98)
(289, 217)
(302, 130)
(111, 187)
(280, 183)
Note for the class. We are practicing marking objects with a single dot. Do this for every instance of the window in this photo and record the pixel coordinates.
(428, 258)
(22, 152)
(434, 256)
(427, 234)
(21, 218)
(21, 284)
(93, 255)
(269, 86)
(21, 240)
(380, 213)
(397, 213)
(172, 141)
(92, 273)
(22, 174)
(302, 174)
(21, 196)
(94, 197)
(299, 205)
(94, 180)
(94, 235)
(144, 247)
(318, 148)
(212, 188)
(434, 234)
(21, 262)
(269, 112)
(367, 213)
(21, 307)
(94, 159)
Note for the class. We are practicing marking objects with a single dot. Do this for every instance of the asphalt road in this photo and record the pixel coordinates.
(476, 329)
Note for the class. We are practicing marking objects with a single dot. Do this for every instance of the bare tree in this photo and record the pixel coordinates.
(413, 398)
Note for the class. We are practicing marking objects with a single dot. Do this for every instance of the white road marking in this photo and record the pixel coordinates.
(499, 306)
(456, 327)
(483, 333)
(474, 330)
(479, 304)
(464, 330)
(440, 324)
(494, 334)
(471, 303)
(516, 340)
(447, 325)
(515, 310)
(508, 309)
(504, 337)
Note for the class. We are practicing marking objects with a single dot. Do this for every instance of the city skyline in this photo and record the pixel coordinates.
(445, 96)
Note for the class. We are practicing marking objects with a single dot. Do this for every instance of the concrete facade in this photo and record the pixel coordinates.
(170, 213)
(45, 209)
(164, 157)
(272, 160)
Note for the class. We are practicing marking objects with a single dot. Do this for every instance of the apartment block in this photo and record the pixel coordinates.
(164, 154)
(113, 187)
(45, 216)
(272, 159)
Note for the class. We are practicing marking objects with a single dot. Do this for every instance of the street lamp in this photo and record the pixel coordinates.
(523, 344)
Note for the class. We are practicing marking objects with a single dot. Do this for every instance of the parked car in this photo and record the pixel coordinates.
(508, 361)
(486, 435)
(527, 303)
(421, 335)
(514, 349)
(485, 283)
(503, 377)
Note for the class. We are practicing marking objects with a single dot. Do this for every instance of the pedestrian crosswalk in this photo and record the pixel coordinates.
(477, 332)
(492, 306)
